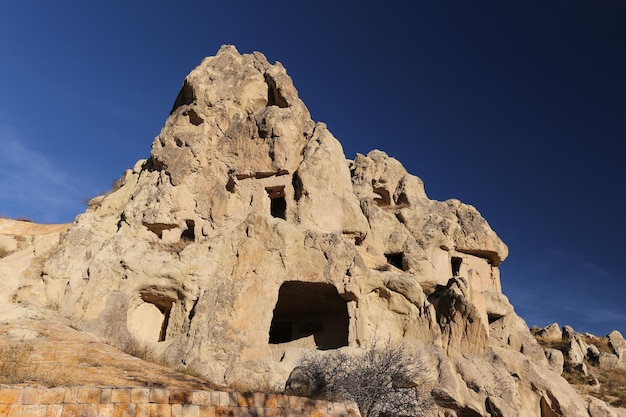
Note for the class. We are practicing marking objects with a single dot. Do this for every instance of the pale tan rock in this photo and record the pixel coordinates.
(462, 329)
(24, 246)
(608, 361)
(618, 345)
(555, 360)
(598, 408)
(8, 245)
(551, 332)
(575, 352)
(542, 391)
(569, 333)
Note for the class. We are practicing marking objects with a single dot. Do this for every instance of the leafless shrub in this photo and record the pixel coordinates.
(15, 363)
(4, 252)
(602, 343)
(19, 366)
(139, 350)
(613, 386)
(381, 380)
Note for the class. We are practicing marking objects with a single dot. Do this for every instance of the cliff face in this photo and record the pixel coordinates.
(247, 239)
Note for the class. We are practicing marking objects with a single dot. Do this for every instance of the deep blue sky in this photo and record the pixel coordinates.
(518, 108)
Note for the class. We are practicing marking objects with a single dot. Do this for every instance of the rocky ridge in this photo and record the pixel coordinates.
(247, 240)
(594, 365)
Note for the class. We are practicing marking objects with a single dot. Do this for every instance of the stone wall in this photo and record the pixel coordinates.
(158, 402)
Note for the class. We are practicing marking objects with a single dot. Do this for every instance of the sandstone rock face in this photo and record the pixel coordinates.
(247, 240)
(556, 360)
(24, 247)
(618, 345)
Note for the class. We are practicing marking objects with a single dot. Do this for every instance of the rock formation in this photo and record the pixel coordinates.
(24, 248)
(247, 239)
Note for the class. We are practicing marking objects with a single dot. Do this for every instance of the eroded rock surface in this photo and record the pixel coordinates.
(247, 240)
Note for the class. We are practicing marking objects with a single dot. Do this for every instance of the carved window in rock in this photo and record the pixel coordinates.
(278, 204)
(396, 259)
(189, 234)
(274, 96)
(310, 310)
(493, 317)
(456, 265)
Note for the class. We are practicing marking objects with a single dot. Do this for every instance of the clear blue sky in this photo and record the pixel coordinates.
(518, 108)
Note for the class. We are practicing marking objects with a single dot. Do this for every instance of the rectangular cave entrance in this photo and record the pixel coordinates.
(307, 309)
(278, 204)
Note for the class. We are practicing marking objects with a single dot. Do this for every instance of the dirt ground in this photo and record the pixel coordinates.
(49, 352)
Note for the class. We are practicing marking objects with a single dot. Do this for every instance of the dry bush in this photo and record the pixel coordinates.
(613, 387)
(139, 350)
(561, 344)
(381, 380)
(87, 356)
(602, 343)
(190, 372)
(15, 363)
(18, 366)
(20, 243)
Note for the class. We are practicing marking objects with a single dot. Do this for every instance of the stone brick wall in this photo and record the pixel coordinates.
(158, 402)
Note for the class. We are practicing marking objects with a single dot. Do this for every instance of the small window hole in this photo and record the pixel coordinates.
(189, 234)
(396, 259)
(278, 204)
(456, 265)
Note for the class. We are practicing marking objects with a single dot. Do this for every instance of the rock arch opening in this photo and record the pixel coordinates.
(278, 204)
(148, 321)
(313, 311)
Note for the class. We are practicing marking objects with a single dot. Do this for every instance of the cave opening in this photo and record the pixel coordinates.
(189, 234)
(274, 96)
(148, 321)
(278, 204)
(310, 310)
(396, 259)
